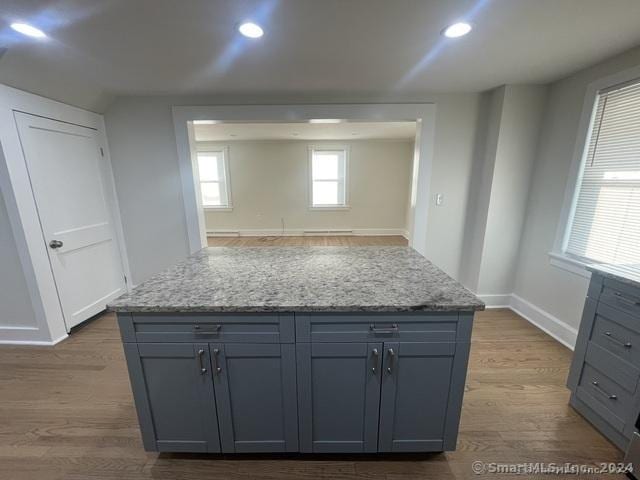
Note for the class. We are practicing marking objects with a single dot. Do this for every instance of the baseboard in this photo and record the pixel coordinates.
(546, 322)
(278, 232)
(553, 326)
(35, 343)
(496, 301)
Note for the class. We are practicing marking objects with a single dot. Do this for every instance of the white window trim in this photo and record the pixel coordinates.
(558, 256)
(204, 147)
(328, 147)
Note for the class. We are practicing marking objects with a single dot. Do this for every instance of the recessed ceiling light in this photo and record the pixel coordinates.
(251, 30)
(28, 30)
(204, 122)
(456, 30)
(325, 120)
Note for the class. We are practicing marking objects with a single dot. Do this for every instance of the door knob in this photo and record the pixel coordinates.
(55, 244)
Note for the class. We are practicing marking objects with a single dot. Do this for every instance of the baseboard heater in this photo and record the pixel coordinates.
(276, 233)
(328, 232)
(223, 233)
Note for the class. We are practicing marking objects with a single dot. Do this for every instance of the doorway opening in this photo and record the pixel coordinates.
(422, 116)
(303, 183)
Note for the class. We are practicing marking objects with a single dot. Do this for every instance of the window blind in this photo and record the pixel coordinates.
(606, 221)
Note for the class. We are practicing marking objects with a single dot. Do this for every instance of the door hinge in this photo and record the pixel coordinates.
(101, 152)
(125, 280)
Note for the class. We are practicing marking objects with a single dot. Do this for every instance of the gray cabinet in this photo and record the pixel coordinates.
(339, 396)
(415, 396)
(174, 396)
(255, 387)
(316, 383)
(605, 370)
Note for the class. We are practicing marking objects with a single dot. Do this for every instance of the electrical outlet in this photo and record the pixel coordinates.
(439, 199)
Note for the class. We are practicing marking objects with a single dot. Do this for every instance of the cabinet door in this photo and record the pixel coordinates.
(174, 396)
(255, 387)
(339, 396)
(415, 396)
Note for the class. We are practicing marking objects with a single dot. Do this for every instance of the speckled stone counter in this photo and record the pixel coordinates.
(301, 279)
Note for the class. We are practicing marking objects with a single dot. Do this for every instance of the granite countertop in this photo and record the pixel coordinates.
(629, 274)
(301, 279)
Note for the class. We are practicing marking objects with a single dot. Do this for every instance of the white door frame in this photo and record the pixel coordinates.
(422, 113)
(23, 215)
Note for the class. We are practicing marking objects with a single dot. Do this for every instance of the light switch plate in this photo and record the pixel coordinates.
(439, 199)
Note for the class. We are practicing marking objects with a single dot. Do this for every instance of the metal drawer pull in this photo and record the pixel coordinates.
(203, 370)
(626, 300)
(616, 341)
(197, 330)
(611, 396)
(216, 368)
(392, 356)
(388, 331)
(374, 355)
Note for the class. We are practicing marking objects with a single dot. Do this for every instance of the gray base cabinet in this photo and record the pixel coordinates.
(174, 397)
(255, 386)
(415, 396)
(339, 396)
(313, 383)
(605, 370)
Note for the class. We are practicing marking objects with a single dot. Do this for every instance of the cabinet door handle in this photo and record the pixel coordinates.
(203, 370)
(374, 355)
(613, 339)
(384, 331)
(597, 386)
(197, 330)
(392, 356)
(216, 367)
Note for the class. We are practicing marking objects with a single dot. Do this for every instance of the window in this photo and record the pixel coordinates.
(328, 168)
(605, 225)
(214, 179)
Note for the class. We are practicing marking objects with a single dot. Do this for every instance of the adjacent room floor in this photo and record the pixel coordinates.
(67, 414)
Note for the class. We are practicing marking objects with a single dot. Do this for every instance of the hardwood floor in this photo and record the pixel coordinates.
(308, 241)
(66, 413)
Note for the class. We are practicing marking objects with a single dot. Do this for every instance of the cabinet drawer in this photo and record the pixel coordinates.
(441, 327)
(617, 333)
(618, 370)
(607, 398)
(621, 296)
(230, 328)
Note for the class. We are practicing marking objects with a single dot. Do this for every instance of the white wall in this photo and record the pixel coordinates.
(480, 183)
(16, 309)
(511, 117)
(559, 293)
(520, 123)
(270, 183)
(144, 157)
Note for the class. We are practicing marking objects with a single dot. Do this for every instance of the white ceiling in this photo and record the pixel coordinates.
(311, 47)
(305, 131)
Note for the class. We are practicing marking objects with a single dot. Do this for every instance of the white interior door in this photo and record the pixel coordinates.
(64, 163)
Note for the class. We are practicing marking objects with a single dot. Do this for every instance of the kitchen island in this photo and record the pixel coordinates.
(298, 349)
